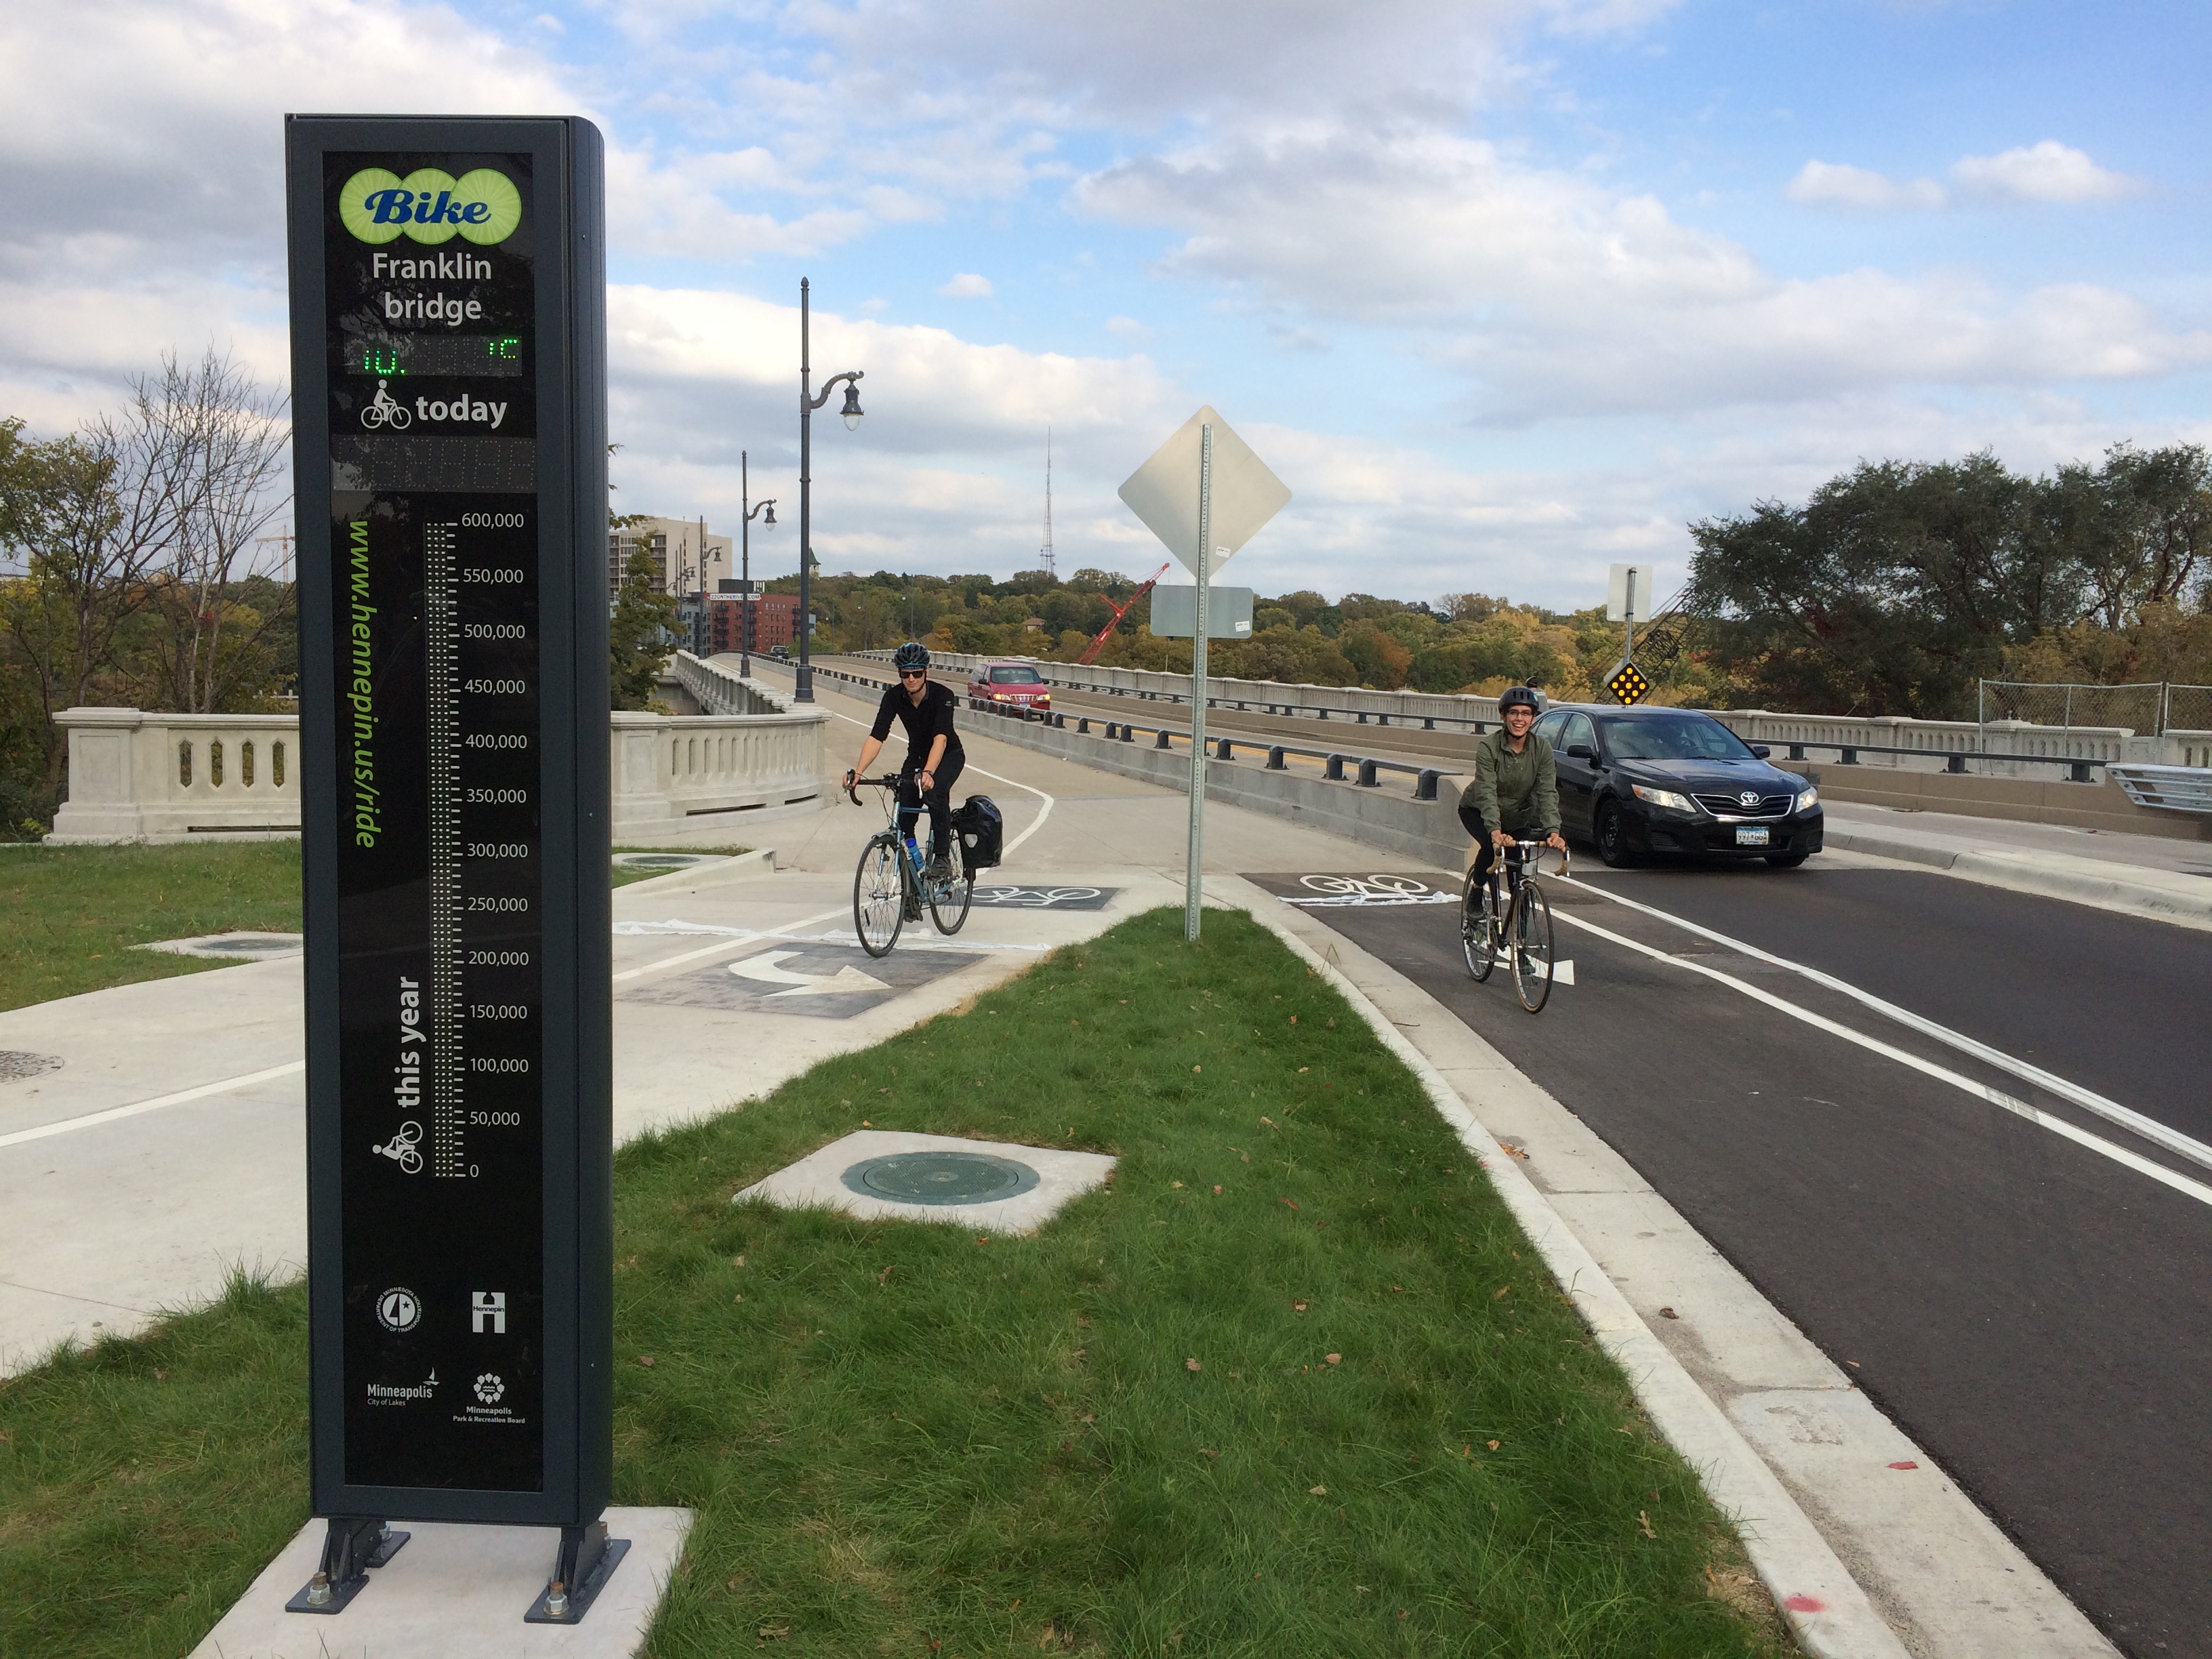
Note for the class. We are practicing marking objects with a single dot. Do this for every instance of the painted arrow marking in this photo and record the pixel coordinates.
(767, 968)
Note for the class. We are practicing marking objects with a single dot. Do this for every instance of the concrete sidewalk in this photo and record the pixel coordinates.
(2148, 876)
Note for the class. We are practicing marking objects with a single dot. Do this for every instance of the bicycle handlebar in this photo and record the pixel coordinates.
(889, 780)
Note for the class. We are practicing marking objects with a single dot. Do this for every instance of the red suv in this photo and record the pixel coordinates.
(1016, 684)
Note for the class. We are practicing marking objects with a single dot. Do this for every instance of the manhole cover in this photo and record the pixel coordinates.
(941, 1178)
(17, 1063)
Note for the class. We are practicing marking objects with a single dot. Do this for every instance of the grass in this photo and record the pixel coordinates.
(1124, 1435)
(69, 915)
(623, 876)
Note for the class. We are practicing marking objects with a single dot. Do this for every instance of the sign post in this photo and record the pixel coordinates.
(1207, 467)
(448, 352)
(1628, 602)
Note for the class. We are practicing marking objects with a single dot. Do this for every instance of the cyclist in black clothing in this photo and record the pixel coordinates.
(933, 757)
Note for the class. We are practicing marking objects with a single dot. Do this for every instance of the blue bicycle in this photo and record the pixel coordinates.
(893, 884)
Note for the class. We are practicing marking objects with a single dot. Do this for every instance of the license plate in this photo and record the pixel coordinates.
(1747, 837)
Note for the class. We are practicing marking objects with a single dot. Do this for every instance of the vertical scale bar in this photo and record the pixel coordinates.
(1195, 877)
(441, 662)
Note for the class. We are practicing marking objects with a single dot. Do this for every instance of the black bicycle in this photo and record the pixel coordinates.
(1519, 929)
(893, 882)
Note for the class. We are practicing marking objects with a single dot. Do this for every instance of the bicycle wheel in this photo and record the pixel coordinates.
(949, 899)
(1528, 935)
(1477, 938)
(879, 896)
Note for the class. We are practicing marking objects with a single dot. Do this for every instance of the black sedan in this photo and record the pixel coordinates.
(1635, 781)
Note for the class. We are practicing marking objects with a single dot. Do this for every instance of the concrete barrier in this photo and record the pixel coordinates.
(140, 775)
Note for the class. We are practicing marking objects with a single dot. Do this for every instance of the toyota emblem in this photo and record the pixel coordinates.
(1749, 798)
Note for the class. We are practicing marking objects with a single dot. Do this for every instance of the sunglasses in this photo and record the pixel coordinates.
(914, 673)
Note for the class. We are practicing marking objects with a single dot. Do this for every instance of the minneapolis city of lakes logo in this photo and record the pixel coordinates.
(403, 1393)
(398, 1309)
(430, 206)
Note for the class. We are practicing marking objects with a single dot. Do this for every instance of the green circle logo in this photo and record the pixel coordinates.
(430, 205)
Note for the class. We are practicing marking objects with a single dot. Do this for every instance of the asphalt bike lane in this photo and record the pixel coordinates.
(2030, 1310)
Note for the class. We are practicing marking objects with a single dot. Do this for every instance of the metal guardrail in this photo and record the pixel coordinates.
(2176, 789)
(1954, 760)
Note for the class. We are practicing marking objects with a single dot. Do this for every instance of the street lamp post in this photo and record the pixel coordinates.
(808, 403)
(746, 510)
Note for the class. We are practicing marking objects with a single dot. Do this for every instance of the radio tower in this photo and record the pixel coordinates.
(1044, 553)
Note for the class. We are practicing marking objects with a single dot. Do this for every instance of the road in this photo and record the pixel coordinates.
(2030, 1310)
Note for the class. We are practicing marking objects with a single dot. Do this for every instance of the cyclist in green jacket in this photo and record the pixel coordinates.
(1514, 796)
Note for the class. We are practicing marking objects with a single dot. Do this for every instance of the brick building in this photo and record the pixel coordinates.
(775, 620)
(687, 557)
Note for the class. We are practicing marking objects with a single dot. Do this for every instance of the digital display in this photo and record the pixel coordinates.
(480, 356)
(436, 544)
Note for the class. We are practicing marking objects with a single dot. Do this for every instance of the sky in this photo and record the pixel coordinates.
(1503, 290)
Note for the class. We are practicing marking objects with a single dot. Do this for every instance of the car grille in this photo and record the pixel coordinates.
(1730, 806)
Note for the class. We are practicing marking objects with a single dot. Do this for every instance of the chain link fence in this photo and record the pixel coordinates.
(2188, 708)
(2139, 708)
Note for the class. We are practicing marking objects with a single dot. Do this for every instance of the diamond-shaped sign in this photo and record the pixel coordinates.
(1627, 684)
(1164, 491)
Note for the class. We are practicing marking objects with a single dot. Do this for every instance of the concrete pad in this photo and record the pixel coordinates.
(816, 1180)
(456, 1592)
(232, 947)
(814, 982)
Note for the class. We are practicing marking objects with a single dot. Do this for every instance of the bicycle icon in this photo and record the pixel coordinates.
(1369, 890)
(401, 1148)
(384, 410)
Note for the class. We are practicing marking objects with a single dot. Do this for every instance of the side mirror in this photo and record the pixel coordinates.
(1761, 750)
(1581, 751)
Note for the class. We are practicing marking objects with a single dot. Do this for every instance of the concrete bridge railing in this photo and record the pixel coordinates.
(143, 775)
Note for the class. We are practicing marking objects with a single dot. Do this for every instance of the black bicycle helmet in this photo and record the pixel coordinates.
(1518, 696)
(913, 654)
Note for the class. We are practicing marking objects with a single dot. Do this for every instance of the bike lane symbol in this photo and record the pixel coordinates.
(401, 1148)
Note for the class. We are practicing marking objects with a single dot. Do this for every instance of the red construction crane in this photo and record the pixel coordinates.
(1099, 640)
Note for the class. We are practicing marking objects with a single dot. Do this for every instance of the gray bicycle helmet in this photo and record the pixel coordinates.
(913, 654)
(1519, 697)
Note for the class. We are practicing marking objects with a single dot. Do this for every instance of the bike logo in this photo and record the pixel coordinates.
(1388, 889)
(400, 1149)
(384, 410)
(489, 1388)
(488, 1312)
(429, 205)
(398, 1309)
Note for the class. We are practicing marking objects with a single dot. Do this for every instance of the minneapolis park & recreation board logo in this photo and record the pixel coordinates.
(429, 205)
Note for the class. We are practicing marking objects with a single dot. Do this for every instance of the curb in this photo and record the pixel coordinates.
(2183, 900)
(1825, 1607)
(739, 866)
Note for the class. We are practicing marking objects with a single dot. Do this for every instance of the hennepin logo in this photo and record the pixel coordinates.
(429, 205)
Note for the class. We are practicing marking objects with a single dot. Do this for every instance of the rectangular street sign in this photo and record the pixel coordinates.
(448, 353)
(1228, 613)
(1628, 596)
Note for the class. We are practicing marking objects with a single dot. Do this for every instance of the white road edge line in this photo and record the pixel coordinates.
(1792, 1559)
(2087, 1099)
(1036, 825)
(114, 1113)
(2158, 1172)
(682, 957)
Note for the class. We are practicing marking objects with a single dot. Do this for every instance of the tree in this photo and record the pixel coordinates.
(638, 633)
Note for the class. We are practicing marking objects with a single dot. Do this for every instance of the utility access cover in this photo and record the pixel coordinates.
(1164, 491)
(940, 1177)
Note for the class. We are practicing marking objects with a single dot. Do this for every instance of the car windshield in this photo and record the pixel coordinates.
(1687, 738)
(1015, 676)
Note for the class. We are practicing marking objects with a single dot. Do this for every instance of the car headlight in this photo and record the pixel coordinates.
(1664, 797)
(1807, 798)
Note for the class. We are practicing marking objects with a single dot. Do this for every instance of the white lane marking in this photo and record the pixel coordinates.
(661, 929)
(116, 1113)
(768, 969)
(1037, 823)
(2089, 1100)
(729, 936)
(2158, 1172)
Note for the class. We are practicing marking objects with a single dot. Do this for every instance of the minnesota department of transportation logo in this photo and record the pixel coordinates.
(427, 205)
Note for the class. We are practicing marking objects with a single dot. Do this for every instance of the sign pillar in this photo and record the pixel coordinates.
(448, 345)
(1194, 880)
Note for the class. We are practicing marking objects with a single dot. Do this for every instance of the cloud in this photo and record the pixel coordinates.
(1561, 296)
(1832, 184)
(967, 286)
(1129, 329)
(2048, 172)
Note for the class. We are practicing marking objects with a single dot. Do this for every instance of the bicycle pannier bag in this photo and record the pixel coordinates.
(980, 829)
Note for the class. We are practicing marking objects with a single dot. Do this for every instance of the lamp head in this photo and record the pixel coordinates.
(768, 520)
(851, 411)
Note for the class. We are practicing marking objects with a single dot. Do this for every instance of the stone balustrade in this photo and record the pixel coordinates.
(142, 776)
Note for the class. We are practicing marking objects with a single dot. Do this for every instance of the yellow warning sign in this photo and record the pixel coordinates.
(1627, 684)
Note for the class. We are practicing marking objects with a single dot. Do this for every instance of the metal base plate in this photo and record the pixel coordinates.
(580, 1596)
(387, 1546)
